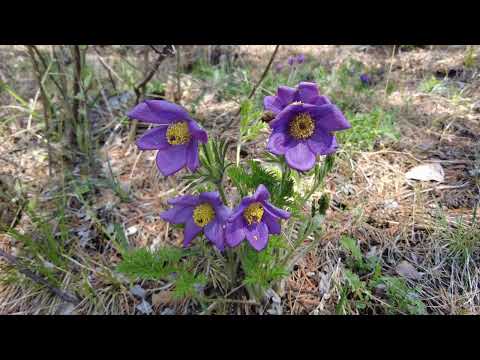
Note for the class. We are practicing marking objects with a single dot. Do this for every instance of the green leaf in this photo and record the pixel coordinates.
(146, 265)
(120, 239)
(186, 284)
(351, 246)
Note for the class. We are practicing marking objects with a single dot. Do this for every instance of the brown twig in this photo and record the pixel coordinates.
(47, 106)
(61, 294)
(77, 82)
(265, 72)
(178, 92)
(108, 68)
(139, 89)
(168, 50)
(44, 63)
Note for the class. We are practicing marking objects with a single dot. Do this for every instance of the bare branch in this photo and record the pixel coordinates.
(265, 72)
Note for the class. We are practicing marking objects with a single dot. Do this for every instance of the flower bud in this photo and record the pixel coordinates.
(323, 203)
(268, 116)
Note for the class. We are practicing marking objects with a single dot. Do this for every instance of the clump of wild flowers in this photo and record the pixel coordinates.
(249, 234)
(304, 125)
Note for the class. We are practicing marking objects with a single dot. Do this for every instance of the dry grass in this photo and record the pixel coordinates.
(420, 227)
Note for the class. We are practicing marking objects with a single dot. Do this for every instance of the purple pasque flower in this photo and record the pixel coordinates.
(303, 125)
(365, 79)
(294, 60)
(205, 212)
(300, 59)
(176, 139)
(254, 219)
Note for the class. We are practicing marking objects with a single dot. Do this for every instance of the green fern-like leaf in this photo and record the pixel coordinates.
(148, 265)
(263, 268)
(187, 283)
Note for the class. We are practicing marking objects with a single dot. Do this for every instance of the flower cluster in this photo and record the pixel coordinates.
(303, 125)
(296, 60)
(302, 128)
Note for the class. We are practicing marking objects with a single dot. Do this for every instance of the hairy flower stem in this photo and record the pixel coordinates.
(222, 192)
(293, 73)
(319, 177)
(239, 147)
(232, 264)
(285, 175)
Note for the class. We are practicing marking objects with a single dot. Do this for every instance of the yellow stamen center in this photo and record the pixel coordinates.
(302, 126)
(178, 133)
(253, 213)
(203, 214)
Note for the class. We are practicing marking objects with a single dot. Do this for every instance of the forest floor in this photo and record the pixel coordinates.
(391, 244)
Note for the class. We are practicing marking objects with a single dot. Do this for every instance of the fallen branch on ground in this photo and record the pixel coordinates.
(61, 294)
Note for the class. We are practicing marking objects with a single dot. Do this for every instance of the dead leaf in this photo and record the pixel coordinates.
(168, 311)
(65, 309)
(426, 172)
(144, 307)
(138, 291)
(407, 270)
(162, 298)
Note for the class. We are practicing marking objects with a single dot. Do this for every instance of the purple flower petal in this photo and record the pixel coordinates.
(154, 139)
(307, 92)
(261, 194)
(158, 112)
(197, 131)
(241, 208)
(279, 142)
(276, 212)
(333, 148)
(329, 117)
(235, 231)
(276, 143)
(283, 118)
(300, 157)
(320, 100)
(223, 213)
(257, 235)
(215, 232)
(177, 214)
(191, 230)
(320, 142)
(212, 197)
(186, 200)
(272, 223)
(286, 95)
(172, 159)
(273, 104)
(193, 161)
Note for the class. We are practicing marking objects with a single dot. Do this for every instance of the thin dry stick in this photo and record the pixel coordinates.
(178, 93)
(265, 72)
(389, 72)
(140, 88)
(44, 63)
(47, 106)
(61, 294)
(108, 68)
